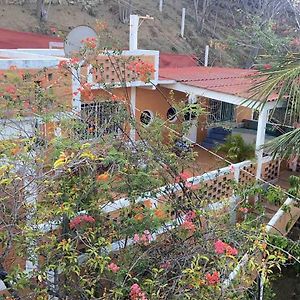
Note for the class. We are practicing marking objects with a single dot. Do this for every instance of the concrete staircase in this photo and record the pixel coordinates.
(215, 136)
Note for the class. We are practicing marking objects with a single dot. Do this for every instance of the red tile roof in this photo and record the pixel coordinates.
(232, 81)
(10, 39)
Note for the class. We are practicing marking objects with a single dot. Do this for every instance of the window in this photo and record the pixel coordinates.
(172, 114)
(146, 117)
(101, 118)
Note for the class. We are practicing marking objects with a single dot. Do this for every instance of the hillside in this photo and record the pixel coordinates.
(163, 33)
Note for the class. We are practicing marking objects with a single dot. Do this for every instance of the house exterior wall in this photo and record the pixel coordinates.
(242, 113)
(158, 102)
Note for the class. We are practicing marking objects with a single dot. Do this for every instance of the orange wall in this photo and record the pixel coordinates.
(242, 113)
(159, 102)
(57, 84)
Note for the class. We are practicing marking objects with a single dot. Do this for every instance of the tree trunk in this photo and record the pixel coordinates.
(41, 11)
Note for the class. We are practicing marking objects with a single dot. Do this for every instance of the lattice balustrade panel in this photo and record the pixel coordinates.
(247, 174)
(219, 187)
(114, 69)
(270, 170)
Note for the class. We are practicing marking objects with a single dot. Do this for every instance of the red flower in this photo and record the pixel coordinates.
(190, 216)
(81, 219)
(221, 248)
(212, 279)
(190, 226)
(267, 67)
(74, 60)
(231, 251)
(10, 89)
(182, 177)
(62, 64)
(90, 42)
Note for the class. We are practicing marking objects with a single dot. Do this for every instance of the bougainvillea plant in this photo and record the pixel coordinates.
(62, 236)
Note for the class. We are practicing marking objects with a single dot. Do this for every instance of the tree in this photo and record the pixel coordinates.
(99, 216)
(41, 11)
(282, 77)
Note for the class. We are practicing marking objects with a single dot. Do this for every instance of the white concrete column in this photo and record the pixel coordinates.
(234, 199)
(260, 138)
(133, 34)
(75, 90)
(132, 111)
(192, 134)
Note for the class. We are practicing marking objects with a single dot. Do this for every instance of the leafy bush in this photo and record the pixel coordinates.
(236, 149)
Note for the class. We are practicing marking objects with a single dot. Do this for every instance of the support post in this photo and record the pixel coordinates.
(133, 35)
(182, 22)
(132, 108)
(206, 55)
(234, 199)
(192, 134)
(160, 5)
(260, 139)
(76, 105)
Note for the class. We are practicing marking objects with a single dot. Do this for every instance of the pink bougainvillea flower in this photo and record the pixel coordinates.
(190, 216)
(231, 168)
(212, 279)
(136, 293)
(81, 219)
(188, 225)
(144, 238)
(188, 185)
(136, 238)
(220, 247)
(113, 267)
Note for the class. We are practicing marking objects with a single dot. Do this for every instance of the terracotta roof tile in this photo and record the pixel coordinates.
(231, 81)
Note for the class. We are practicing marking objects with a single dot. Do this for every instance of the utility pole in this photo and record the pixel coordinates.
(182, 22)
(133, 30)
(160, 5)
(206, 55)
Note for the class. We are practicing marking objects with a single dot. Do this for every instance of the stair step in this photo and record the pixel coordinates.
(220, 130)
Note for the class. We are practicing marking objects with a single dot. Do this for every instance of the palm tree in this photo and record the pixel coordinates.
(282, 77)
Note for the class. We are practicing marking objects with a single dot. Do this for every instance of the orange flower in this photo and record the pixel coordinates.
(102, 177)
(160, 214)
(14, 151)
(139, 217)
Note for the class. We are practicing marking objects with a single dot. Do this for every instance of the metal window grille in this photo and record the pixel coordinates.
(100, 118)
(220, 112)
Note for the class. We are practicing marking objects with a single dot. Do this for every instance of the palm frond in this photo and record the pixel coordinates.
(285, 145)
(281, 79)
